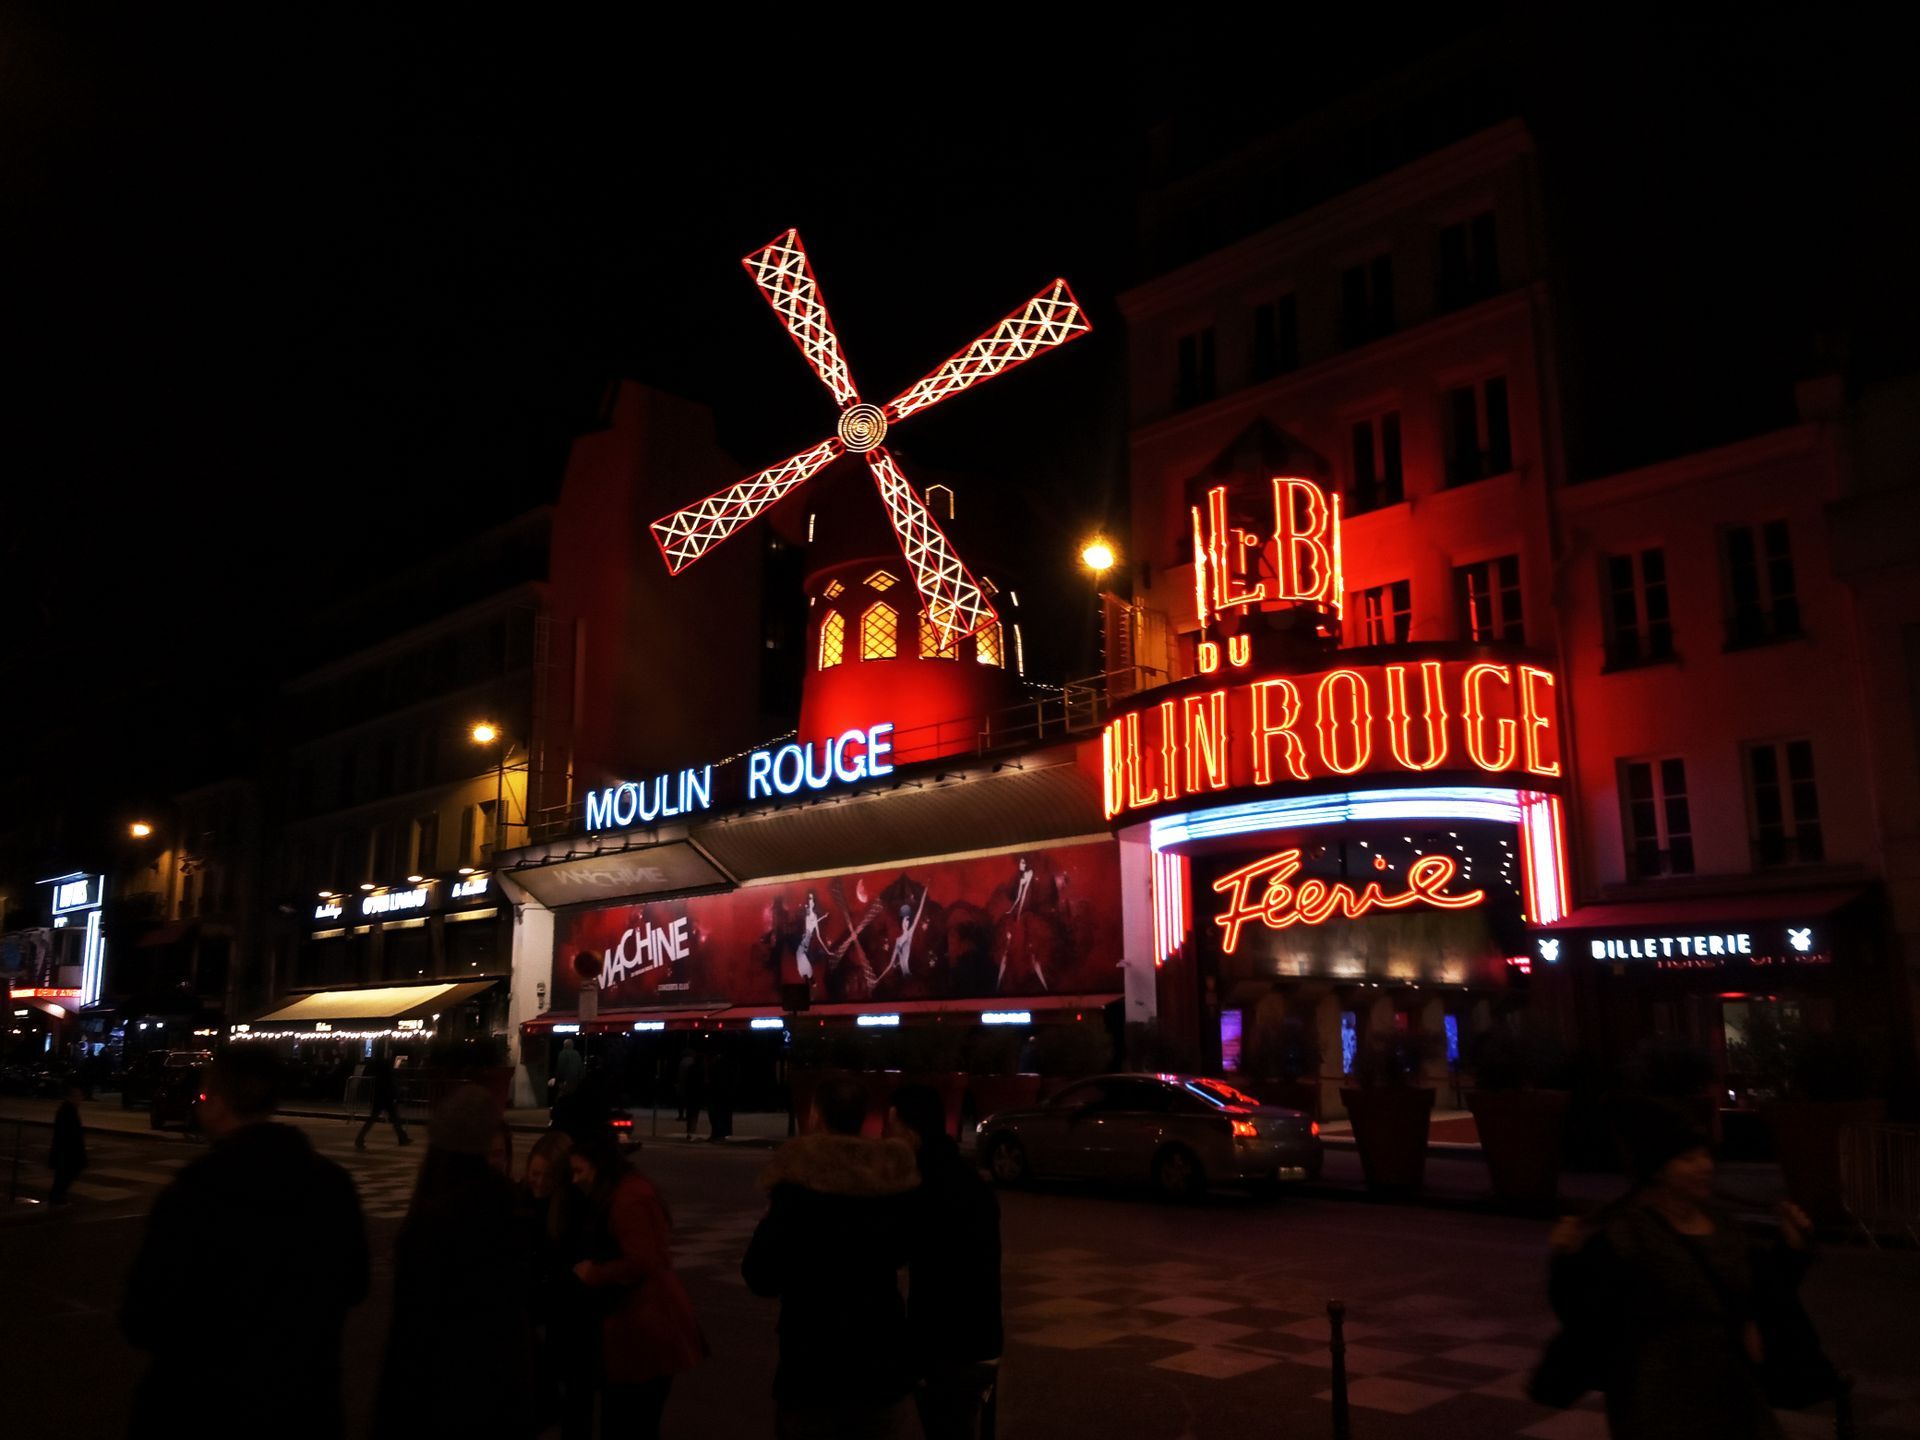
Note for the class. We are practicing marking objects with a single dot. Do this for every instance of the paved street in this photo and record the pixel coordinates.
(1125, 1317)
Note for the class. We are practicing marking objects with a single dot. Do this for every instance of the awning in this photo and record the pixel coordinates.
(384, 1002)
(1711, 910)
(613, 1020)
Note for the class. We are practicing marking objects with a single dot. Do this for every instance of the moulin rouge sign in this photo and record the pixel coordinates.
(1406, 718)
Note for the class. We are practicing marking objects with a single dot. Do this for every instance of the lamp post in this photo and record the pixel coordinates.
(1097, 555)
(485, 732)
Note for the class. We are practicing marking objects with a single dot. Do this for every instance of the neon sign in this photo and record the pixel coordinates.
(954, 601)
(646, 801)
(471, 886)
(791, 768)
(74, 892)
(1404, 718)
(1304, 567)
(1280, 902)
(328, 910)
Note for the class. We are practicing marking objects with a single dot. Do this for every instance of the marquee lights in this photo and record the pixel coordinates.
(1006, 1017)
(644, 1025)
(871, 1021)
(766, 1022)
(954, 602)
(1494, 717)
(1280, 902)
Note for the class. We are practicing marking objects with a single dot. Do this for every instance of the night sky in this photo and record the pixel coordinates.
(287, 305)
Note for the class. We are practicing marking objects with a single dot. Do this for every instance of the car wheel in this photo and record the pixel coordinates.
(1006, 1161)
(1177, 1174)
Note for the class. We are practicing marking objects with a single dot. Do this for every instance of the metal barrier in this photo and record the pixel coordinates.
(1880, 1179)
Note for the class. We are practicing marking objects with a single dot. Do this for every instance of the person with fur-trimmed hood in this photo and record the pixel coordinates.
(830, 1248)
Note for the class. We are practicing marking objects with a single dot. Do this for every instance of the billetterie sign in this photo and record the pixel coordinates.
(772, 771)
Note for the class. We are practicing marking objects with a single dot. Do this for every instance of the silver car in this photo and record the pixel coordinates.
(1182, 1133)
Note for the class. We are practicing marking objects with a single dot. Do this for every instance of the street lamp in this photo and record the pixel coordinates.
(1097, 556)
(485, 732)
(140, 829)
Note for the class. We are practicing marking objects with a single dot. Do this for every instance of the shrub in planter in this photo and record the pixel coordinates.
(1520, 1113)
(1390, 1114)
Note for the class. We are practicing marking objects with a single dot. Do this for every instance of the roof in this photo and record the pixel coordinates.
(382, 1002)
(1712, 910)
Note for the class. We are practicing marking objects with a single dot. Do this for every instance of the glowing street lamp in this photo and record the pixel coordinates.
(484, 732)
(140, 829)
(1097, 556)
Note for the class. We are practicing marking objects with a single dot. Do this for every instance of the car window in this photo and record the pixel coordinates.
(1148, 1095)
(1088, 1092)
(1221, 1093)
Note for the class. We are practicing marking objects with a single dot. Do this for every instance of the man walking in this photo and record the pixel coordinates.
(830, 1248)
(386, 1098)
(251, 1259)
(69, 1154)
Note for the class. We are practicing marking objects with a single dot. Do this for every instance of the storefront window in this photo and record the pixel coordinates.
(471, 948)
(408, 953)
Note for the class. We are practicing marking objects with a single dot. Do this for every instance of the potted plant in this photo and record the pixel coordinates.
(1519, 1104)
(1390, 1114)
(1829, 1084)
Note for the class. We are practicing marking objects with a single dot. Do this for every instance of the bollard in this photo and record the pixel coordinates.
(1336, 1318)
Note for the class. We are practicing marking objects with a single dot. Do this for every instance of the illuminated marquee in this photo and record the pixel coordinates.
(1412, 717)
(955, 604)
(1267, 891)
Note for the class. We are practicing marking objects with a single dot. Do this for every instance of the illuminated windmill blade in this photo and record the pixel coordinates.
(955, 604)
(686, 535)
(786, 279)
(1050, 318)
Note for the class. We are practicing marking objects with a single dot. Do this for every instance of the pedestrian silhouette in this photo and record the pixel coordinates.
(68, 1156)
(462, 1291)
(566, 1321)
(830, 1248)
(953, 1271)
(385, 1100)
(250, 1261)
(567, 1068)
(648, 1330)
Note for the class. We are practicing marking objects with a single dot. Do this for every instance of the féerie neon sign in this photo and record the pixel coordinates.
(1279, 902)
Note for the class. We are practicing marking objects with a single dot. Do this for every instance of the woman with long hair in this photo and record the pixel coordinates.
(459, 1356)
(648, 1333)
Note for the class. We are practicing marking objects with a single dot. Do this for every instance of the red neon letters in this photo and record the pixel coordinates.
(1303, 565)
(1279, 902)
(1415, 717)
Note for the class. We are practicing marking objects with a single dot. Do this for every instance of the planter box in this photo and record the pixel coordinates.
(1522, 1134)
(1390, 1130)
(1806, 1137)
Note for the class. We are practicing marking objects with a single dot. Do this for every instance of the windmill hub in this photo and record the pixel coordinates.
(862, 427)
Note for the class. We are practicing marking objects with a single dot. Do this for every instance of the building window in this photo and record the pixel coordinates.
(833, 639)
(1639, 629)
(986, 646)
(1479, 442)
(1487, 596)
(930, 646)
(382, 863)
(1196, 383)
(880, 581)
(1276, 338)
(879, 633)
(1656, 819)
(426, 844)
(1784, 803)
(1376, 463)
(1366, 301)
(833, 590)
(1382, 615)
(1762, 601)
(1469, 265)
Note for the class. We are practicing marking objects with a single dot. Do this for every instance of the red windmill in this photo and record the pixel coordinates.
(954, 602)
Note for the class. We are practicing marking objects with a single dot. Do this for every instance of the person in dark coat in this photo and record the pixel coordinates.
(459, 1356)
(1658, 1294)
(68, 1156)
(386, 1099)
(835, 1235)
(953, 1271)
(251, 1259)
(648, 1331)
(552, 1214)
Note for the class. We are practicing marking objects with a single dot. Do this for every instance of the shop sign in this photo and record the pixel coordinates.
(1696, 950)
(385, 902)
(327, 910)
(1411, 718)
(1266, 891)
(44, 992)
(470, 886)
(75, 892)
(645, 801)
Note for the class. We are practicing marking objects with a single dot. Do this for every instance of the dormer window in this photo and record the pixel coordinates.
(880, 580)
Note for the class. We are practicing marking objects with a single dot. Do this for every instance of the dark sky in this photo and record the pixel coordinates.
(288, 303)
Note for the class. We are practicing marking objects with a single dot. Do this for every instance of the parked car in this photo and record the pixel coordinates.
(1180, 1133)
(176, 1094)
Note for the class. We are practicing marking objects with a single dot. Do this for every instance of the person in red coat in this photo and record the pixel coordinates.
(648, 1331)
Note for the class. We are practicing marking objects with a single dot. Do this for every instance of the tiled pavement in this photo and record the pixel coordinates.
(1410, 1352)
